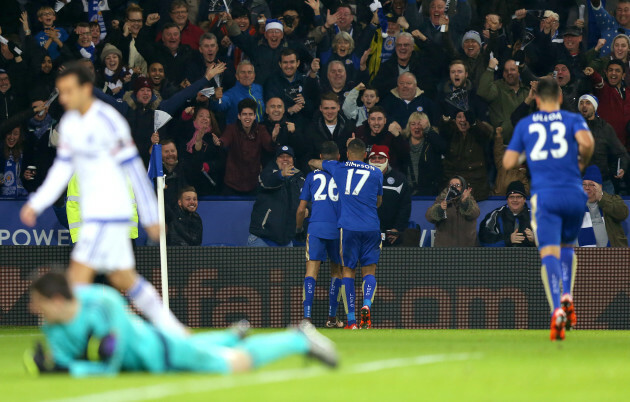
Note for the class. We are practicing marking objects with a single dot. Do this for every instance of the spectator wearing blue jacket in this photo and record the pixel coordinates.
(509, 225)
(244, 88)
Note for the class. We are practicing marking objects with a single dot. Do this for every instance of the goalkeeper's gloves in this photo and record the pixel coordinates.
(100, 349)
(36, 362)
(300, 235)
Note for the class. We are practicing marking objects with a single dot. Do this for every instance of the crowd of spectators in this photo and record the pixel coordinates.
(440, 83)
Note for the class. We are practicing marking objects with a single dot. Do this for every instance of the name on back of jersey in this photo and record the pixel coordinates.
(537, 117)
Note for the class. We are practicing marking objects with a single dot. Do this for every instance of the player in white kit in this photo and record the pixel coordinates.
(95, 142)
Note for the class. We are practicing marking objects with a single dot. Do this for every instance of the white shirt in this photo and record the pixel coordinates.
(98, 147)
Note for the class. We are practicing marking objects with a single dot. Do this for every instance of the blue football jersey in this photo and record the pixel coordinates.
(359, 185)
(320, 189)
(548, 140)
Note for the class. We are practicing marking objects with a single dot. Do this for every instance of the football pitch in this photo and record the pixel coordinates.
(376, 365)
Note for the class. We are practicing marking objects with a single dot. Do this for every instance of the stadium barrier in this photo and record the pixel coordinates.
(417, 288)
(230, 214)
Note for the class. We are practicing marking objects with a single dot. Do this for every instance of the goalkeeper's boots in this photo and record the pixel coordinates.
(567, 305)
(321, 348)
(366, 318)
(241, 328)
(351, 326)
(558, 322)
(333, 322)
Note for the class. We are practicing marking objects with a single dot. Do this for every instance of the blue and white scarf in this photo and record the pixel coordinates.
(12, 184)
(586, 236)
(95, 14)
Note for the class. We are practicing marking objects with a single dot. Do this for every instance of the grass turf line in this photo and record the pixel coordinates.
(516, 365)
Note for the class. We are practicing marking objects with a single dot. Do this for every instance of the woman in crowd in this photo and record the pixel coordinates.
(426, 149)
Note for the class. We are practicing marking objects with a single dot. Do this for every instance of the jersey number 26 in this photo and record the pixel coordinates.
(332, 186)
(558, 130)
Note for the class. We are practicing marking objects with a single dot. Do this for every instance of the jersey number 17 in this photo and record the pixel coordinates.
(364, 177)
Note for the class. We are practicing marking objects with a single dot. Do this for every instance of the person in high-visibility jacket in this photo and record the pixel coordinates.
(73, 210)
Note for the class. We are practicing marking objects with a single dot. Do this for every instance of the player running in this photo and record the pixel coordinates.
(92, 332)
(323, 234)
(360, 194)
(95, 143)
(557, 144)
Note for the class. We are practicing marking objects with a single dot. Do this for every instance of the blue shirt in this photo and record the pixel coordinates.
(548, 140)
(320, 189)
(53, 49)
(359, 186)
(103, 311)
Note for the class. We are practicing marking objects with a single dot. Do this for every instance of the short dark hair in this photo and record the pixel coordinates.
(83, 25)
(548, 89)
(287, 51)
(377, 109)
(84, 76)
(169, 25)
(617, 61)
(186, 189)
(93, 24)
(167, 141)
(371, 88)
(356, 147)
(238, 11)
(457, 61)
(247, 104)
(52, 284)
(329, 150)
(329, 96)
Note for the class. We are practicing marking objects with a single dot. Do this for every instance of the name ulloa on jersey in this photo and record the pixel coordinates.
(537, 117)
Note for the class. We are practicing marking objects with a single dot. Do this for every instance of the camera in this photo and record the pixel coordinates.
(288, 20)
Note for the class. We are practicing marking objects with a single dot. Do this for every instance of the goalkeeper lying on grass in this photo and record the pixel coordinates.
(93, 333)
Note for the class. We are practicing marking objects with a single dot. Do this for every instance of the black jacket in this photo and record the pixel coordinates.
(608, 148)
(317, 133)
(196, 69)
(497, 227)
(174, 66)
(429, 177)
(395, 210)
(186, 229)
(387, 77)
(273, 216)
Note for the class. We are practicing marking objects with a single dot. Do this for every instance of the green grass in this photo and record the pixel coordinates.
(502, 366)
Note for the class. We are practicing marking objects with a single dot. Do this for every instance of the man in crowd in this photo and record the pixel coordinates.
(395, 210)
(404, 61)
(189, 33)
(245, 88)
(509, 225)
(290, 133)
(185, 228)
(503, 95)
(608, 149)
(207, 56)
(601, 226)
(273, 220)
(245, 142)
(376, 131)
(330, 125)
(289, 86)
(170, 51)
(455, 214)
(407, 98)
(613, 99)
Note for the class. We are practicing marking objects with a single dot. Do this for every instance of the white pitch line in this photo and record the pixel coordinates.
(222, 383)
(17, 335)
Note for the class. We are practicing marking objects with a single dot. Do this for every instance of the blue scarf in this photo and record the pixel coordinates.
(586, 237)
(12, 184)
(39, 128)
(95, 14)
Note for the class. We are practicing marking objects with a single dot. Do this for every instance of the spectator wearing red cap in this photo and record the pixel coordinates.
(376, 131)
(395, 210)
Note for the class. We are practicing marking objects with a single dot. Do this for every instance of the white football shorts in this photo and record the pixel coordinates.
(104, 246)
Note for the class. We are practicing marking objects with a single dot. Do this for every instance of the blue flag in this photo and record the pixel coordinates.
(155, 163)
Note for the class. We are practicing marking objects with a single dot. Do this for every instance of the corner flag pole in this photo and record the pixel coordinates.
(163, 256)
